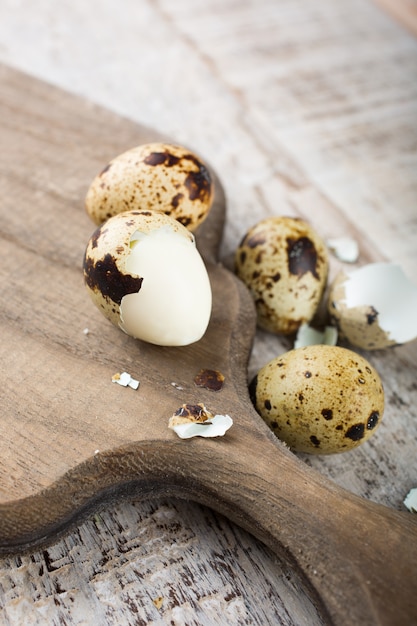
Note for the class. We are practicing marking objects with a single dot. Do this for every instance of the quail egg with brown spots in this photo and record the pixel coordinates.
(284, 264)
(143, 271)
(156, 176)
(319, 399)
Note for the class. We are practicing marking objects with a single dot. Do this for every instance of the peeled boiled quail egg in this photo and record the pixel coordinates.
(374, 306)
(284, 264)
(143, 271)
(156, 176)
(319, 399)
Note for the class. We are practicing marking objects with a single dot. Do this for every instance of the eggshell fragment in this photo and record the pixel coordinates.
(195, 420)
(410, 500)
(157, 176)
(344, 248)
(319, 399)
(374, 306)
(143, 271)
(190, 413)
(308, 336)
(217, 426)
(284, 264)
(125, 380)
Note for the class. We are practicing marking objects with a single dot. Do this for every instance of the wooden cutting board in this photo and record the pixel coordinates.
(70, 438)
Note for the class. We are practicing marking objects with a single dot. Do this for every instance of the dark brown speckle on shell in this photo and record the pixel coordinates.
(104, 276)
(302, 256)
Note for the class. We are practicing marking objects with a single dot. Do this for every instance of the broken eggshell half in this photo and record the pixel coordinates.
(143, 271)
(374, 306)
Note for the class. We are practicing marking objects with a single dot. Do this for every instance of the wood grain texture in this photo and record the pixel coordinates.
(344, 161)
(216, 577)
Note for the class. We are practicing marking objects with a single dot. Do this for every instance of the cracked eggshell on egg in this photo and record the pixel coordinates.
(375, 306)
(284, 263)
(156, 176)
(145, 274)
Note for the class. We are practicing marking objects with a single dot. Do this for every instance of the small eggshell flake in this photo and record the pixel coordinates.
(144, 272)
(374, 306)
(308, 336)
(156, 176)
(284, 264)
(190, 413)
(125, 380)
(410, 501)
(319, 399)
(344, 248)
(215, 427)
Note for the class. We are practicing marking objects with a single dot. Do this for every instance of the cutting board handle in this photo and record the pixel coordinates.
(356, 558)
(359, 557)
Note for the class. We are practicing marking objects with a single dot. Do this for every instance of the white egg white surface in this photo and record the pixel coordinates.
(173, 305)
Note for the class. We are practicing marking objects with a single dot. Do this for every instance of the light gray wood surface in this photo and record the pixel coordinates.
(305, 109)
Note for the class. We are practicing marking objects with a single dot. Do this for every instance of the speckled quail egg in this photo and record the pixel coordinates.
(155, 176)
(319, 399)
(284, 264)
(143, 271)
(374, 306)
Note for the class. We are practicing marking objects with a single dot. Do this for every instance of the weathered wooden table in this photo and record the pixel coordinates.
(303, 108)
